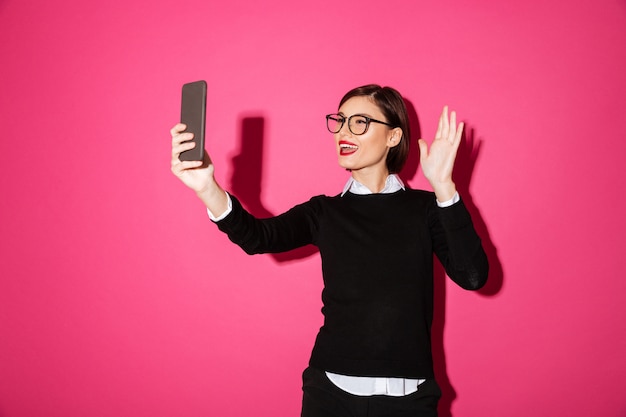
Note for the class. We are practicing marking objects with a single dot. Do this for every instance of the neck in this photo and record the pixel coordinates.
(375, 181)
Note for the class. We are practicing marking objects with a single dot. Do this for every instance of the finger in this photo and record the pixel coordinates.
(181, 137)
(459, 132)
(190, 164)
(452, 132)
(421, 143)
(183, 145)
(180, 166)
(445, 126)
(439, 126)
(178, 128)
(180, 148)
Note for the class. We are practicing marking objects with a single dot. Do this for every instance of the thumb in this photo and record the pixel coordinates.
(423, 148)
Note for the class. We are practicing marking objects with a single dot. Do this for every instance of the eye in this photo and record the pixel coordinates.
(360, 121)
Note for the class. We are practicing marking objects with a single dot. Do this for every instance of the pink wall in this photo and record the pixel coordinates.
(119, 298)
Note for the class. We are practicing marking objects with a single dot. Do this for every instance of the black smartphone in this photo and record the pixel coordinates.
(193, 114)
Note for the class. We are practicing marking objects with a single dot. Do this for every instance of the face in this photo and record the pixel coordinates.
(365, 153)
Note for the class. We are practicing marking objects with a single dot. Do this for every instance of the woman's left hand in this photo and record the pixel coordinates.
(438, 161)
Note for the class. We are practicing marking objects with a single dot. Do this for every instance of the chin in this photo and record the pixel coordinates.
(345, 166)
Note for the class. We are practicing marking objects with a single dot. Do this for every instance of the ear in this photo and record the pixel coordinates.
(394, 138)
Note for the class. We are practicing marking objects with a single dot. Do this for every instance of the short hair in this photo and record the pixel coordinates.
(392, 105)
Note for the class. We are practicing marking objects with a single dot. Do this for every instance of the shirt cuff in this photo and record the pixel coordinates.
(224, 214)
(455, 199)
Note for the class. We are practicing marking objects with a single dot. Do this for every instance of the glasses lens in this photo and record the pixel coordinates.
(334, 122)
(358, 125)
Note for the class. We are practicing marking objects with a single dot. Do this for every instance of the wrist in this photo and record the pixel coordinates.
(444, 191)
(214, 198)
(209, 191)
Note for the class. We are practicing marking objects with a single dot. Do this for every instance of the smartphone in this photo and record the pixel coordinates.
(193, 114)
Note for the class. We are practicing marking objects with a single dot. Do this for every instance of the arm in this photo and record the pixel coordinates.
(458, 246)
(292, 229)
(455, 241)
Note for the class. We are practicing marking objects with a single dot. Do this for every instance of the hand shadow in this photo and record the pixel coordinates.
(467, 157)
(246, 180)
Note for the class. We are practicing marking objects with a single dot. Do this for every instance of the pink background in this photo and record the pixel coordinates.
(119, 298)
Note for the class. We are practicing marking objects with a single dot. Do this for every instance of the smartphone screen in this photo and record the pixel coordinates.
(193, 114)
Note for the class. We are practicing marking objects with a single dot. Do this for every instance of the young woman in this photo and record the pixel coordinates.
(372, 356)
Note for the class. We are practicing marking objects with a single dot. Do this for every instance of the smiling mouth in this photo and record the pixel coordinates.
(347, 148)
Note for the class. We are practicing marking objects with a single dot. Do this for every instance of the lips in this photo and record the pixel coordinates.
(347, 148)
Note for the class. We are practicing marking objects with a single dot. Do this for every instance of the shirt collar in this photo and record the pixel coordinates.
(393, 183)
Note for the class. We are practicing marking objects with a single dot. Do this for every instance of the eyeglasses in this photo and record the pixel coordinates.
(357, 123)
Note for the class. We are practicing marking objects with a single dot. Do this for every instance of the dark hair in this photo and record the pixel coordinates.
(390, 102)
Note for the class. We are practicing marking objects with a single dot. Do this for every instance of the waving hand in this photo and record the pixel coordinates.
(438, 161)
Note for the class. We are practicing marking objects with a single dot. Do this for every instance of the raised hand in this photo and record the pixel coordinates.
(438, 161)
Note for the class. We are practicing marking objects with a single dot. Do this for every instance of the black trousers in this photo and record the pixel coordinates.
(322, 398)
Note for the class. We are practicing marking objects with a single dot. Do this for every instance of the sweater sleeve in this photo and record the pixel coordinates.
(292, 229)
(458, 246)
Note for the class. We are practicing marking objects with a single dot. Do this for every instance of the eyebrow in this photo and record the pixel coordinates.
(342, 114)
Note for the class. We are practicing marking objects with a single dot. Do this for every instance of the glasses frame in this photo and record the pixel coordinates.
(368, 120)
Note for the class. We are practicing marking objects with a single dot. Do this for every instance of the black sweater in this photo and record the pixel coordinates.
(377, 264)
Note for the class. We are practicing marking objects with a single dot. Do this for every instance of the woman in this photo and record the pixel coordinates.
(376, 240)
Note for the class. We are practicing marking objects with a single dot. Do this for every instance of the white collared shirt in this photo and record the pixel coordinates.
(393, 183)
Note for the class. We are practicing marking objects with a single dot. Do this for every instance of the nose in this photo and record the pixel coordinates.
(345, 129)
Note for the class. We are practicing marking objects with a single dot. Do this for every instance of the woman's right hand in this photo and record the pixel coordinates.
(197, 175)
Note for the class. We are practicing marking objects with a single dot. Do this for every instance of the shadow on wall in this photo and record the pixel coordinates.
(246, 180)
